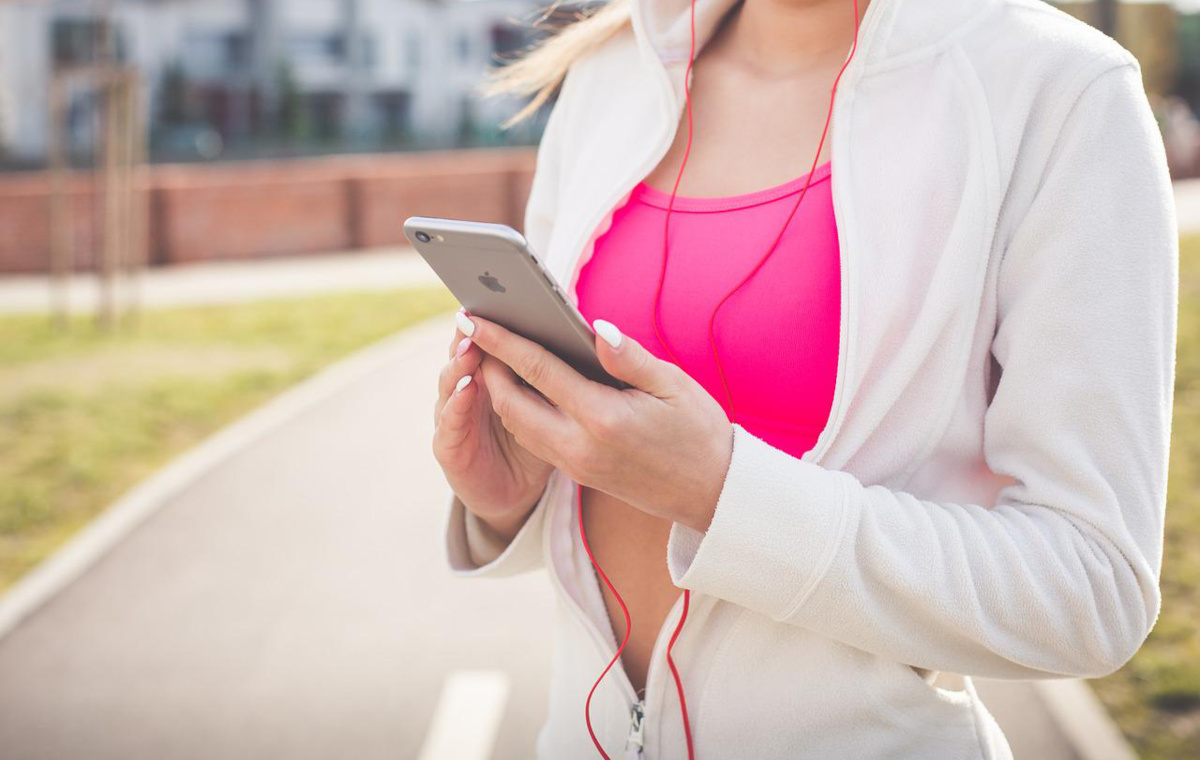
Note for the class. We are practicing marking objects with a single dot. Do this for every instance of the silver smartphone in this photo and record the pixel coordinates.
(492, 272)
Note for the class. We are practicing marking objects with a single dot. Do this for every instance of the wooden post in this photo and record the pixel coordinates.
(110, 247)
(139, 197)
(61, 258)
(120, 89)
(107, 83)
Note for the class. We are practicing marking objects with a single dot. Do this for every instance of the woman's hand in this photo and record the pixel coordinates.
(494, 476)
(663, 446)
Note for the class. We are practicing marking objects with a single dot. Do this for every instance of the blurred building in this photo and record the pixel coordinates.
(222, 73)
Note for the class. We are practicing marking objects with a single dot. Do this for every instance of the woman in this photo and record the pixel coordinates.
(929, 434)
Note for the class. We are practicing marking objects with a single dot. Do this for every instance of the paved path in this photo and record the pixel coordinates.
(233, 281)
(292, 603)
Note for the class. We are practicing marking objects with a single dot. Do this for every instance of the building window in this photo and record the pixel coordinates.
(323, 49)
(394, 111)
(237, 49)
(209, 54)
(368, 53)
(75, 42)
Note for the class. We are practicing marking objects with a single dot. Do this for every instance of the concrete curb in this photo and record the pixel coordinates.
(120, 519)
(1087, 725)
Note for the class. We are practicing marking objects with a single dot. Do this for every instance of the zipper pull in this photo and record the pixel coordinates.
(637, 731)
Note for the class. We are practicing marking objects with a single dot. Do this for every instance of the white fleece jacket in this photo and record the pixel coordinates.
(987, 497)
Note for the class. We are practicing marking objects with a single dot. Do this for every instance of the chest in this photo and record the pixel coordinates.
(915, 190)
(743, 292)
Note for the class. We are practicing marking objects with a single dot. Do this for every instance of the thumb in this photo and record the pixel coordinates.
(626, 359)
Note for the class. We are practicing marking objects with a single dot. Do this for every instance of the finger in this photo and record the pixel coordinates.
(453, 370)
(458, 337)
(626, 359)
(532, 421)
(554, 378)
(453, 420)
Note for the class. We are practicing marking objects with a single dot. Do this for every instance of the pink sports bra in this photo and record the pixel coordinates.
(777, 336)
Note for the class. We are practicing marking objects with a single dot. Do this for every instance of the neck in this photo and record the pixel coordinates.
(780, 37)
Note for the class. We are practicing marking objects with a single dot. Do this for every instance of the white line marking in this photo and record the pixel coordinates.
(467, 717)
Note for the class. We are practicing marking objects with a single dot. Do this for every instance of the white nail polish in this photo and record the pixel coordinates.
(463, 382)
(464, 323)
(608, 331)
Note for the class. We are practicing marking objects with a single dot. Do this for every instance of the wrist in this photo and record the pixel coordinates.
(505, 525)
(698, 513)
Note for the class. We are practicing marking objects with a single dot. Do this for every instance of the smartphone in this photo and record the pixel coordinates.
(492, 271)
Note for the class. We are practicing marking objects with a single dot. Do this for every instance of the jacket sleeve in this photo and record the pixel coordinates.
(1060, 576)
(471, 548)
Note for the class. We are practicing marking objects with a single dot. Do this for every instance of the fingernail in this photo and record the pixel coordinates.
(464, 323)
(463, 345)
(608, 331)
(463, 382)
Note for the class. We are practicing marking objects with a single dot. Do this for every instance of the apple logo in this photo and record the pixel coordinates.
(491, 283)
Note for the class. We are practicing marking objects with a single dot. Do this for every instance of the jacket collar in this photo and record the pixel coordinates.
(890, 29)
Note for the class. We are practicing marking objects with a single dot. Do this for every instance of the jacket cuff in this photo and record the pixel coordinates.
(484, 545)
(472, 548)
(774, 533)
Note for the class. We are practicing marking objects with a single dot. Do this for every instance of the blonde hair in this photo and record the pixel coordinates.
(540, 69)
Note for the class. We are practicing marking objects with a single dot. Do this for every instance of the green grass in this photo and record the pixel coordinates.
(1156, 697)
(85, 414)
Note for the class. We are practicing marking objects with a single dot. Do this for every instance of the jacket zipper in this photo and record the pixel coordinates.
(637, 731)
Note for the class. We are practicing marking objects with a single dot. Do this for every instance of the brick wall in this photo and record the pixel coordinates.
(275, 208)
(25, 223)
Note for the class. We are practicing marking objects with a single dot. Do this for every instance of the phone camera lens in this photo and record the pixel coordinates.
(423, 237)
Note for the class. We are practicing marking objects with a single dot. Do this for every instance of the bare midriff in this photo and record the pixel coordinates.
(631, 546)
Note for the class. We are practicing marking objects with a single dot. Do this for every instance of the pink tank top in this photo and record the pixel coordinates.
(777, 336)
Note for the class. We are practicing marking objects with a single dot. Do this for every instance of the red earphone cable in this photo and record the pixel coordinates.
(804, 191)
(687, 730)
(687, 726)
(712, 340)
(587, 707)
